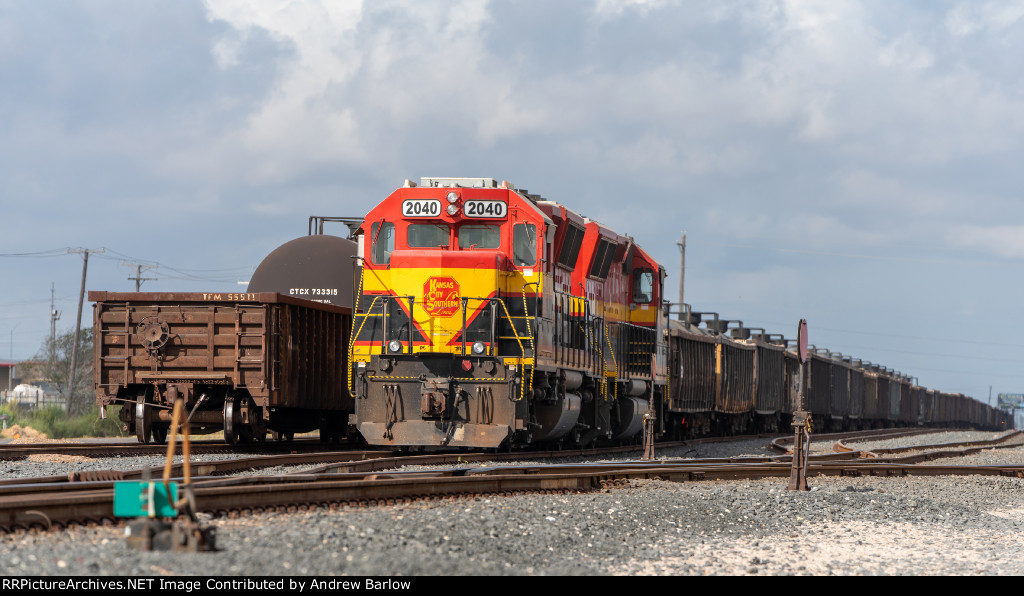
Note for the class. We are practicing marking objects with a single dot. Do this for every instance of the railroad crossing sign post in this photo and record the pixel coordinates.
(801, 419)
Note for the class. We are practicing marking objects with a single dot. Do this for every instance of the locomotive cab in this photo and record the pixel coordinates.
(488, 316)
(451, 279)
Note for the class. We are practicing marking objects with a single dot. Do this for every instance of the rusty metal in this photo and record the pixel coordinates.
(434, 397)
(179, 536)
(801, 419)
(9, 452)
(801, 447)
(247, 355)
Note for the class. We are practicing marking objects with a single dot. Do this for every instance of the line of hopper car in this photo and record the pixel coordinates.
(467, 313)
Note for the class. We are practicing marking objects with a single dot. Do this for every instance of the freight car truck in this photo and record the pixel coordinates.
(244, 363)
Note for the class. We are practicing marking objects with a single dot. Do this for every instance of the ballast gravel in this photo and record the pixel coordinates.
(843, 526)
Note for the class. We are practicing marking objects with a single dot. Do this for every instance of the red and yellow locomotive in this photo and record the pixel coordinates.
(491, 317)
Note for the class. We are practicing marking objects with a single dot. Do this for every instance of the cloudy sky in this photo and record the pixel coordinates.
(854, 163)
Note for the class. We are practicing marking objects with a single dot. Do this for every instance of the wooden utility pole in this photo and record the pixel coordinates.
(138, 275)
(54, 317)
(78, 322)
(682, 273)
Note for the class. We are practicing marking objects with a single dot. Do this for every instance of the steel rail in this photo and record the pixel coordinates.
(841, 446)
(385, 458)
(212, 473)
(20, 451)
(781, 444)
(224, 495)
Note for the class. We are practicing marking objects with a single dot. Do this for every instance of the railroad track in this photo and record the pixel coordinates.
(20, 451)
(98, 449)
(361, 479)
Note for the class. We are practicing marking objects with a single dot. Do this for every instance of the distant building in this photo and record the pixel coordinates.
(9, 376)
(1008, 401)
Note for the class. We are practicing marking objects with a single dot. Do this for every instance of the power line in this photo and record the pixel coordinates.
(56, 252)
(964, 372)
(207, 275)
(138, 274)
(897, 336)
(864, 256)
(985, 358)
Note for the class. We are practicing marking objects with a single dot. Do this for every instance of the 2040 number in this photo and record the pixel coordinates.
(485, 209)
(421, 208)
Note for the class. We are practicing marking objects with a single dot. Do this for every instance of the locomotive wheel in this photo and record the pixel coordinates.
(160, 434)
(143, 426)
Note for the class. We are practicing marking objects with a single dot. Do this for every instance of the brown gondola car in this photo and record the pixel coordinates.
(895, 395)
(244, 363)
(818, 389)
(856, 410)
(771, 394)
(910, 402)
(734, 395)
(692, 381)
(839, 403)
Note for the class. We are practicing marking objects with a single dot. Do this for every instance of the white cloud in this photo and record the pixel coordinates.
(871, 191)
(608, 9)
(1005, 241)
(968, 18)
(823, 74)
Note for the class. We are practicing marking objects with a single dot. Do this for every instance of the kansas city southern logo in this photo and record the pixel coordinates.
(441, 296)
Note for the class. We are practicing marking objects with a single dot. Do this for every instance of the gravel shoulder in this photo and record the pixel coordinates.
(844, 526)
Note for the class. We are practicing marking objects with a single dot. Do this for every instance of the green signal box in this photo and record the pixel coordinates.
(144, 499)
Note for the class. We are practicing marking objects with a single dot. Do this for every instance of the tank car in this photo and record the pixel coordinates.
(489, 317)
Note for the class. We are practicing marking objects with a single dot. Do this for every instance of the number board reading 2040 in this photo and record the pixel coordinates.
(421, 208)
(485, 209)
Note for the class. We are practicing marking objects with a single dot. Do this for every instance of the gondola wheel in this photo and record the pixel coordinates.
(143, 426)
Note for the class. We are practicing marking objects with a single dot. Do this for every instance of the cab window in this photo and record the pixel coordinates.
(428, 235)
(524, 245)
(643, 286)
(479, 236)
(382, 237)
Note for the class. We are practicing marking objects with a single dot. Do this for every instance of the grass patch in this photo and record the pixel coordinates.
(56, 424)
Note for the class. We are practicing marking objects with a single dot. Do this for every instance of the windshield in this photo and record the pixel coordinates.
(643, 286)
(479, 236)
(427, 235)
(382, 238)
(524, 245)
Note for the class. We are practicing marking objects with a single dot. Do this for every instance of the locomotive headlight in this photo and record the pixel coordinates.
(453, 209)
(478, 347)
(395, 345)
(452, 197)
